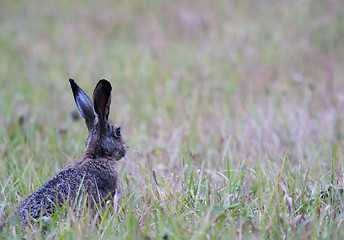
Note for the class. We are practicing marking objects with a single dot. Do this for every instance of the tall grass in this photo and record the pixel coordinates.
(233, 112)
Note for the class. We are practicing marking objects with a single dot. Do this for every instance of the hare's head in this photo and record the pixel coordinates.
(104, 139)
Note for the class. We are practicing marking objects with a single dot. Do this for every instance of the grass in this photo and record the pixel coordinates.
(233, 112)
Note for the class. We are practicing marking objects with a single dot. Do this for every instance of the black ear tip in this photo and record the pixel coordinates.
(104, 83)
(72, 83)
(74, 86)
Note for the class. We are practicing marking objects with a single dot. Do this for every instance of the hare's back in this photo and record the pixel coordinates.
(61, 188)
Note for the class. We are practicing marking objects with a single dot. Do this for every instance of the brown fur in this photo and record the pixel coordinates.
(96, 169)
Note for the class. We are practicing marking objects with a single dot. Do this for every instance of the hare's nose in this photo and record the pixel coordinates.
(122, 152)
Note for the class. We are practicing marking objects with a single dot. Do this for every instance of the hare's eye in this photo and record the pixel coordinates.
(118, 132)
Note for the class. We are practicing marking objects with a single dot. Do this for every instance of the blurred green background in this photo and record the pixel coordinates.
(260, 72)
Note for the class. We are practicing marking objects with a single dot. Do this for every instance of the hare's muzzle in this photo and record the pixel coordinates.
(122, 152)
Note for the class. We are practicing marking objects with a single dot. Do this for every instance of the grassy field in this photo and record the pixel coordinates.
(236, 106)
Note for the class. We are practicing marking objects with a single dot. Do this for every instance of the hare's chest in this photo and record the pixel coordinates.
(104, 179)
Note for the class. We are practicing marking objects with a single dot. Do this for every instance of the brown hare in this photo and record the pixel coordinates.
(95, 173)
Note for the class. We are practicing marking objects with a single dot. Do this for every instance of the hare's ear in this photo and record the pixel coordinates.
(84, 104)
(102, 100)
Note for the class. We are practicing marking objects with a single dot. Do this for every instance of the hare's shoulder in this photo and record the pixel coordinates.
(101, 172)
(102, 165)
